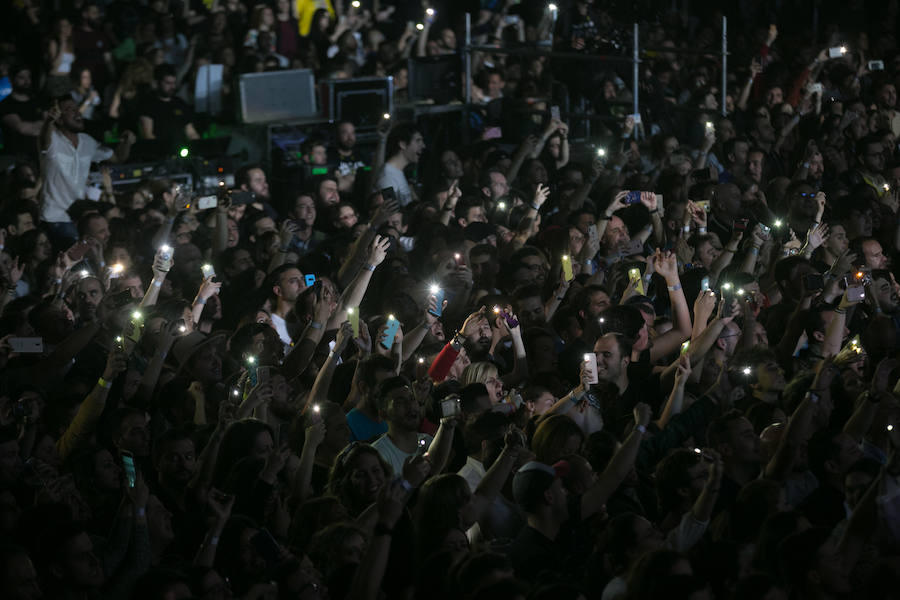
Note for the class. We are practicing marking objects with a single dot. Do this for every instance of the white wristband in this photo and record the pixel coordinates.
(641, 428)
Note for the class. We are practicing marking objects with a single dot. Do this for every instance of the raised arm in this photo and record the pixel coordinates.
(620, 465)
(667, 266)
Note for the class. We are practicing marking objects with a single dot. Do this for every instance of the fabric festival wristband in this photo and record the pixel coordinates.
(200, 300)
(640, 428)
(674, 288)
(686, 229)
(315, 325)
(702, 230)
(370, 268)
(104, 383)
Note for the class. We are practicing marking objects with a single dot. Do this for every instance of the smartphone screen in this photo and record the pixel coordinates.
(128, 465)
(438, 294)
(309, 279)
(590, 367)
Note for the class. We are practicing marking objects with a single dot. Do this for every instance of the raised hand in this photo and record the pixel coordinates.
(642, 413)
(817, 236)
(116, 362)
(416, 469)
(541, 193)
(378, 250)
(682, 371)
(220, 504)
(704, 306)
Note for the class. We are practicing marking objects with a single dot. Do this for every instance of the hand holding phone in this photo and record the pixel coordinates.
(393, 325)
(590, 368)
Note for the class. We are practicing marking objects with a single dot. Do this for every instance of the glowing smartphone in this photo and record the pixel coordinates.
(438, 294)
(208, 271)
(353, 317)
(634, 275)
(568, 273)
(310, 280)
(128, 465)
(392, 326)
(590, 367)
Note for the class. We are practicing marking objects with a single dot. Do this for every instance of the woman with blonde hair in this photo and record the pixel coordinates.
(486, 373)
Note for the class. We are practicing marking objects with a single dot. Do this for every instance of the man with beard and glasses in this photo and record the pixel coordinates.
(165, 117)
(20, 115)
(66, 156)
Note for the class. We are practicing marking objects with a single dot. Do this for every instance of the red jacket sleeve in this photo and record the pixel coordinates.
(441, 366)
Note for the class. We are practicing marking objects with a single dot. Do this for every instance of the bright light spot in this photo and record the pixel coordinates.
(698, 451)
(421, 361)
(316, 408)
(355, 4)
(117, 268)
(746, 370)
(419, 26)
(552, 7)
(496, 309)
(165, 248)
(740, 292)
(565, 257)
(777, 222)
(349, 311)
(890, 427)
(501, 205)
(428, 11)
(726, 286)
(251, 359)
(183, 153)
(182, 328)
(386, 116)
(587, 358)
(601, 152)
(234, 392)
(136, 315)
(434, 289)
(843, 50)
(84, 273)
(391, 318)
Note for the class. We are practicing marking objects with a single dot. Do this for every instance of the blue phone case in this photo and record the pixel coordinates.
(633, 198)
(254, 376)
(390, 332)
(310, 280)
(439, 297)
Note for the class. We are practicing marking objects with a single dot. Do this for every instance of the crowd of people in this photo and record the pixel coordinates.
(659, 363)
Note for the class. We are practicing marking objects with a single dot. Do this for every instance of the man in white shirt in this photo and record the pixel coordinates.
(287, 285)
(66, 156)
(405, 145)
(403, 440)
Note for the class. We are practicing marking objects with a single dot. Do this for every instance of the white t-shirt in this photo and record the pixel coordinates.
(392, 177)
(66, 171)
(281, 329)
(394, 455)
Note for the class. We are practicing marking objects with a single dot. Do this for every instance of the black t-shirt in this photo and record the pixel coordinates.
(169, 120)
(14, 142)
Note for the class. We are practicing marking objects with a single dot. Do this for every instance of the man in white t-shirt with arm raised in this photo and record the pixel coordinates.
(398, 406)
(66, 156)
(405, 145)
